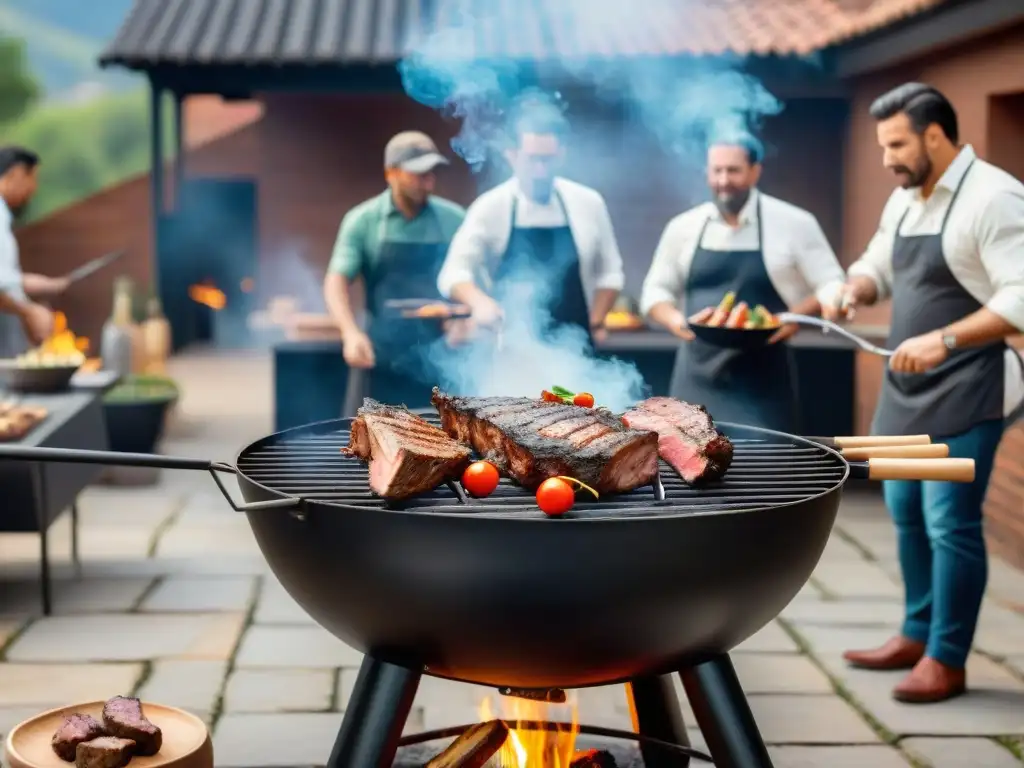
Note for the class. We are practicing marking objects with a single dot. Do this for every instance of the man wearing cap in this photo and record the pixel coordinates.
(395, 242)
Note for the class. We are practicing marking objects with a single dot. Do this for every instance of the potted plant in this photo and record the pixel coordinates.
(136, 411)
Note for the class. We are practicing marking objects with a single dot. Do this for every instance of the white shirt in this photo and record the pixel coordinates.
(10, 264)
(983, 242)
(797, 256)
(480, 242)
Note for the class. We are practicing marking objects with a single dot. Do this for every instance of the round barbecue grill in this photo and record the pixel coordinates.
(622, 589)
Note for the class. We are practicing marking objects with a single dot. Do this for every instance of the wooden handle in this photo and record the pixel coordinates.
(932, 451)
(951, 470)
(863, 441)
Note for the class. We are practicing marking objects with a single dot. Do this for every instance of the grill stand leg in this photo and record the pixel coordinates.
(655, 710)
(74, 539)
(43, 515)
(375, 716)
(724, 716)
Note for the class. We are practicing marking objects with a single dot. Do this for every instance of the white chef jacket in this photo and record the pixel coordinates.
(12, 337)
(797, 256)
(480, 242)
(983, 242)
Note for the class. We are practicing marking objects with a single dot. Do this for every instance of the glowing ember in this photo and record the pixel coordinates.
(535, 747)
(208, 295)
(62, 341)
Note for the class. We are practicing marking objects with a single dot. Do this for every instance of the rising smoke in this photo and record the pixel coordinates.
(681, 100)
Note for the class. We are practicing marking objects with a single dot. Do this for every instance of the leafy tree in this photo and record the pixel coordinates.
(18, 88)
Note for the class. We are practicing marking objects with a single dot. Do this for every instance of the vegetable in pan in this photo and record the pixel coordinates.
(729, 314)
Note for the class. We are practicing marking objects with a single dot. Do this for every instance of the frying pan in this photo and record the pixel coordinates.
(39, 379)
(753, 338)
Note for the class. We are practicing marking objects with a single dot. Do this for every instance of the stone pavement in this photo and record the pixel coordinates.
(175, 604)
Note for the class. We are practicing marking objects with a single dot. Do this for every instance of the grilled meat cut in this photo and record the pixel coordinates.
(532, 440)
(75, 729)
(687, 438)
(406, 455)
(104, 752)
(123, 717)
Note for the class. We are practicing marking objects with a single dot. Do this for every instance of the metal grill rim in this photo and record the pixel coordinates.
(769, 470)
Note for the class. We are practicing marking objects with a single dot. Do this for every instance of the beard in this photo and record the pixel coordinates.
(731, 202)
(916, 176)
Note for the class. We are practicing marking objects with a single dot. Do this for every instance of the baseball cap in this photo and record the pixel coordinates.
(414, 152)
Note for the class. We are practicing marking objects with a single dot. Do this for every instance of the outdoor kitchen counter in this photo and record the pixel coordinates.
(310, 376)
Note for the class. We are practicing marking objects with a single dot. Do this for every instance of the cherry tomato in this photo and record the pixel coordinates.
(584, 400)
(480, 479)
(555, 497)
(550, 397)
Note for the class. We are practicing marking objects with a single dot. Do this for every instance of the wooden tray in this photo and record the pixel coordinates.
(186, 742)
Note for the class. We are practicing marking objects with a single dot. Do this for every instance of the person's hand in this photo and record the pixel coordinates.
(857, 292)
(919, 354)
(485, 312)
(37, 321)
(599, 334)
(458, 332)
(55, 286)
(358, 351)
(784, 332)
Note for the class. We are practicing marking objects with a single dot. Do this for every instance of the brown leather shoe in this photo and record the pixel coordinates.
(897, 653)
(931, 682)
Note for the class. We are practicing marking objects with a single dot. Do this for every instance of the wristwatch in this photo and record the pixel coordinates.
(949, 339)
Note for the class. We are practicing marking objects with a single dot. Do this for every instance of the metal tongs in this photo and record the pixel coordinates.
(827, 326)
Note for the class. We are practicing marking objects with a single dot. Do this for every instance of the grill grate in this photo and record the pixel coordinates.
(767, 471)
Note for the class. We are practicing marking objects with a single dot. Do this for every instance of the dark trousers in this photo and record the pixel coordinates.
(939, 533)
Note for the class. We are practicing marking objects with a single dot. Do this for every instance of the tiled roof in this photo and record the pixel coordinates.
(305, 32)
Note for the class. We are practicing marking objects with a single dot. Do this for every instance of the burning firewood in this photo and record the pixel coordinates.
(474, 747)
(593, 758)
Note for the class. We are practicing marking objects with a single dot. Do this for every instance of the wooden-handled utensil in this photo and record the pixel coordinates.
(927, 451)
(949, 470)
(867, 441)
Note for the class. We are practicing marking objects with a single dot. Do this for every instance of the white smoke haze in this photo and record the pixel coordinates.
(681, 100)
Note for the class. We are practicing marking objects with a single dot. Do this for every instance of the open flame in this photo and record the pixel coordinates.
(62, 340)
(535, 747)
(208, 295)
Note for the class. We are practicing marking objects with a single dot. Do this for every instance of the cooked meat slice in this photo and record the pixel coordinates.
(407, 456)
(687, 438)
(105, 752)
(75, 729)
(123, 717)
(532, 440)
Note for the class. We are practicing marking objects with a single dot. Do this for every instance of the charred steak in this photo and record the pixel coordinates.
(104, 752)
(687, 438)
(532, 440)
(406, 455)
(73, 731)
(123, 717)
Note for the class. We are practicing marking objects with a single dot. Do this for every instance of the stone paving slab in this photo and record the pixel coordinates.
(280, 690)
(993, 706)
(53, 685)
(770, 639)
(9, 627)
(201, 595)
(192, 685)
(93, 544)
(109, 507)
(854, 579)
(276, 606)
(127, 637)
(961, 753)
(845, 613)
(228, 538)
(22, 597)
(839, 757)
(294, 647)
(240, 741)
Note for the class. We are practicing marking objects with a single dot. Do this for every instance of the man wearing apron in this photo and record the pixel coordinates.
(950, 253)
(537, 244)
(23, 322)
(764, 250)
(396, 242)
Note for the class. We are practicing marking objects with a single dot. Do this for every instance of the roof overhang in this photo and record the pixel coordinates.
(946, 25)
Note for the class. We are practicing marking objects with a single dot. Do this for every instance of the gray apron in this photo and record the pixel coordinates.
(967, 388)
(755, 387)
(13, 341)
(403, 271)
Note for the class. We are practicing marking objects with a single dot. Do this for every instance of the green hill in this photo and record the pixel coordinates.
(64, 39)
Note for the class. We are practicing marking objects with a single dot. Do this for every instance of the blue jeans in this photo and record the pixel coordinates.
(941, 544)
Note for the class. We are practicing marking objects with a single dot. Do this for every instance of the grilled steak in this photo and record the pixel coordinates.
(104, 752)
(73, 731)
(407, 456)
(532, 440)
(123, 717)
(687, 438)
